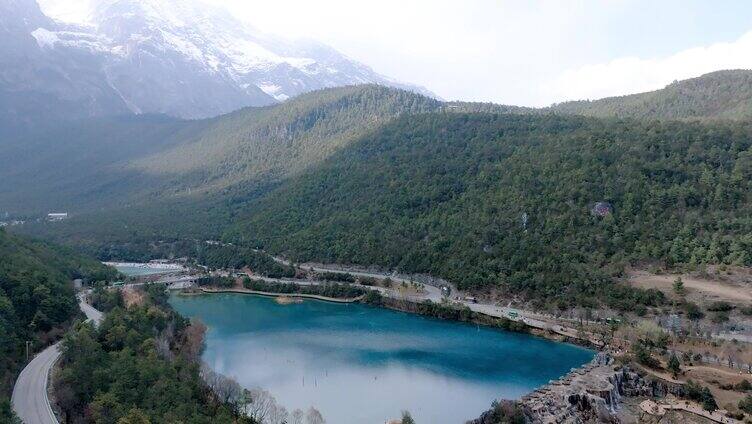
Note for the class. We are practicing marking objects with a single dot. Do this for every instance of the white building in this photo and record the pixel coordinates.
(57, 216)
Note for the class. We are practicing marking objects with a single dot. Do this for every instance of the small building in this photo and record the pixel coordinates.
(57, 216)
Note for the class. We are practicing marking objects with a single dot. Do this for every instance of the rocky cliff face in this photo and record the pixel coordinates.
(177, 57)
(591, 394)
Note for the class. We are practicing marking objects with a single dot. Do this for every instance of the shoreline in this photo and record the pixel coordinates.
(411, 307)
(271, 294)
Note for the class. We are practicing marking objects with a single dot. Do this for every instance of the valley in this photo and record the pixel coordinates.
(269, 231)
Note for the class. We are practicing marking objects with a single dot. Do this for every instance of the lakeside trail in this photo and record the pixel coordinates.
(271, 294)
(29, 399)
(434, 294)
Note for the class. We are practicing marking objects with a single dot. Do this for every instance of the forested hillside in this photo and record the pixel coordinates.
(141, 365)
(110, 163)
(36, 299)
(83, 164)
(239, 150)
(508, 201)
(717, 95)
(115, 162)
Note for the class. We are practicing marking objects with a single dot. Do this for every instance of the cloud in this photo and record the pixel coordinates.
(629, 75)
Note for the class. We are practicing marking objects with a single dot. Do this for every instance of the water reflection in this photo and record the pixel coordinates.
(361, 364)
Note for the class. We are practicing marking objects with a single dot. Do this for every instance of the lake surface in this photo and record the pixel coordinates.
(361, 364)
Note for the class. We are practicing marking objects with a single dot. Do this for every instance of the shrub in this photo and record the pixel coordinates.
(746, 404)
(720, 306)
(693, 311)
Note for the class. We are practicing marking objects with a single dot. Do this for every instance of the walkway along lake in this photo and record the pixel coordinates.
(361, 364)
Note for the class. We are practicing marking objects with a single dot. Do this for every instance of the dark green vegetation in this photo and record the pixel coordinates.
(141, 365)
(215, 281)
(746, 404)
(702, 395)
(335, 291)
(36, 300)
(717, 95)
(103, 299)
(234, 257)
(446, 194)
(337, 276)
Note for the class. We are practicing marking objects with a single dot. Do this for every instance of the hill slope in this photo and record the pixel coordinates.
(446, 194)
(114, 162)
(717, 95)
(36, 298)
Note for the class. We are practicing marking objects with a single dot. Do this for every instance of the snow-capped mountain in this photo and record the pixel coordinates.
(179, 57)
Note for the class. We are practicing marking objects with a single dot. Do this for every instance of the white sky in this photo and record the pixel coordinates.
(514, 52)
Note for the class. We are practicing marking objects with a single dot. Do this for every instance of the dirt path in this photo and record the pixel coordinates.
(719, 289)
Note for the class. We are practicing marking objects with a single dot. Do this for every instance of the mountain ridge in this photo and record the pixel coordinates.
(109, 166)
(725, 94)
(183, 59)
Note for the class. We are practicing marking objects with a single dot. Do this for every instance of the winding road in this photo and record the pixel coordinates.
(29, 399)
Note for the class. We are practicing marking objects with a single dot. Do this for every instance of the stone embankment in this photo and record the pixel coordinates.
(591, 393)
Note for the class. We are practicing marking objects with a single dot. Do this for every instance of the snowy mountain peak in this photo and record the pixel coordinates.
(189, 59)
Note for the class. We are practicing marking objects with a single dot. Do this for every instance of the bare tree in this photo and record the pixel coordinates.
(224, 388)
(265, 409)
(313, 416)
(194, 340)
(278, 414)
(297, 417)
(162, 345)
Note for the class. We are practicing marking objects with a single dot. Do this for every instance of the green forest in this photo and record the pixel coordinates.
(718, 95)
(36, 300)
(116, 163)
(234, 257)
(507, 201)
(501, 198)
(142, 365)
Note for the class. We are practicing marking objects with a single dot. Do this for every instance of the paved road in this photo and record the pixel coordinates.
(434, 294)
(29, 399)
(92, 314)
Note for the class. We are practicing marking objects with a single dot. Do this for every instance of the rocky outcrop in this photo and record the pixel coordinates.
(591, 394)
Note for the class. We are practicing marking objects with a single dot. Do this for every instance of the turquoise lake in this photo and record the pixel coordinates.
(361, 364)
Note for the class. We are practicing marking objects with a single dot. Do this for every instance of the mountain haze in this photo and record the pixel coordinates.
(113, 162)
(180, 58)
